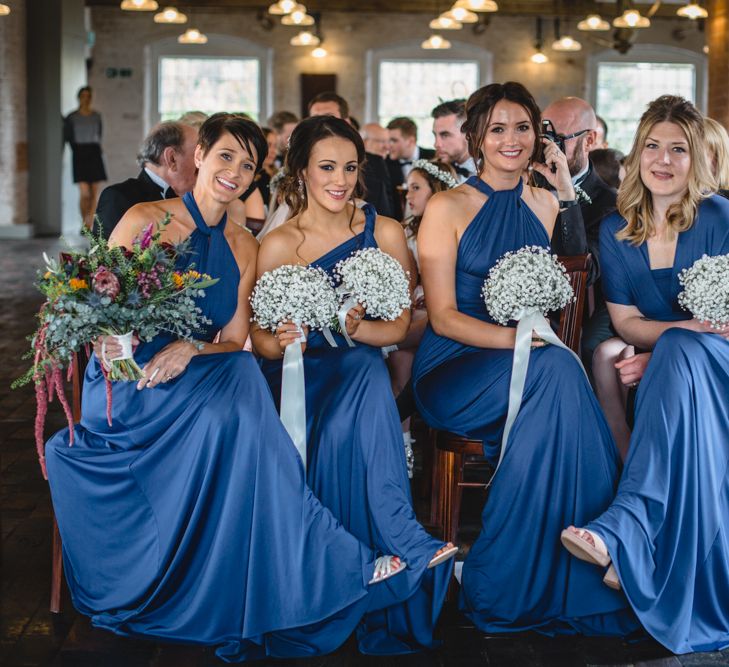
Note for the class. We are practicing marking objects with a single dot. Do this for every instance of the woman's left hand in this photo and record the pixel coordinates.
(631, 370)
(167, 364)
(354, 319)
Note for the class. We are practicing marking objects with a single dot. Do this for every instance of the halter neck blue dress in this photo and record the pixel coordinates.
(356, 467)
(561, 462)
(189, 519)
(667, 530)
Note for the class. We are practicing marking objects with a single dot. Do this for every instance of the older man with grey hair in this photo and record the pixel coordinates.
(168, 170)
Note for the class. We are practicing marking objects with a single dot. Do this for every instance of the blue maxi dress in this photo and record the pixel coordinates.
(356, 467)
(561, 463)
(189, 519)
(667, 530)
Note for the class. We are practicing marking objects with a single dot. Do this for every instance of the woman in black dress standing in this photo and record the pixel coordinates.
(82, 130)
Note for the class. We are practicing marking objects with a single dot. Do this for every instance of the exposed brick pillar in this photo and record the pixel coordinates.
(13, 125)
(717, 27)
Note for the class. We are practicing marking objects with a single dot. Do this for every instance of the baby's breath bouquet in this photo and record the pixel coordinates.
(109, 291)
(374, 279)
(525, 285)
(528, 279)
(305, 296)
(706, 290)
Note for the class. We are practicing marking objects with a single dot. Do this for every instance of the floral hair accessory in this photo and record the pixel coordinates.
(429, 168)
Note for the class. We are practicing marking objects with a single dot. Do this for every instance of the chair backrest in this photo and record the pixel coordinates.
(570, 319)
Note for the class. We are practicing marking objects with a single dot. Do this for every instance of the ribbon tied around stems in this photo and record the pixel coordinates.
(528, 320)
(349, 303)
(293, 394)
(127, 352)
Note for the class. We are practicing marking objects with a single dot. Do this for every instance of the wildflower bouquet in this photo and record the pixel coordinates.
(109, 291)
(525, 285)
(706, 290)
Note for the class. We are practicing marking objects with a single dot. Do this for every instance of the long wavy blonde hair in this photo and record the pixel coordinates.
(635, 202)
(717, 143)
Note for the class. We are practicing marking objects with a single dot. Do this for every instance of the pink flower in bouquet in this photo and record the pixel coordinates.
(145, 239)
(106, 283)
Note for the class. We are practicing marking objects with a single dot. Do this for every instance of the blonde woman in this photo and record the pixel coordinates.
(667, 531)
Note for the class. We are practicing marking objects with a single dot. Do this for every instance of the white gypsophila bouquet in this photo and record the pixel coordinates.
(377, 281)
(528, 279)
(706, 290)
(294, 293)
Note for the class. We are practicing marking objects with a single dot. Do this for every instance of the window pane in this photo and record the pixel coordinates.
(625, 89)
(412, 88)
(209, 85)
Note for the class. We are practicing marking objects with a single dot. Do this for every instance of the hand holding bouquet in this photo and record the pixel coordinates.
(109, 291)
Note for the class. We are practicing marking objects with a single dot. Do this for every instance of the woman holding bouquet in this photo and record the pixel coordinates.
(186, 517)
(560, 460)
(667, 531)
(355, 459)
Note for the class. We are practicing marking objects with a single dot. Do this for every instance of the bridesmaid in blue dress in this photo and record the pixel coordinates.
(667, 531)
(355, 458)
(188, 519)
(560, 460)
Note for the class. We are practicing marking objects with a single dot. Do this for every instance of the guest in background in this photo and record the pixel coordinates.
(403, 151)
(355, 461)
(450, 142)
(578, 226)
(168, 170)
(263, 178)
(608, 163)
(375, 139)
(378, 189)
(283, 124)
(717, 145)
(193, 118)
(601, 133)
(82, 131)
(666, 533)
(424, 180)
(560, 459)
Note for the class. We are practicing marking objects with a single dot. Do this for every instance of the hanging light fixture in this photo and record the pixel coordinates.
(170, 15)
(632, 18)
(298, 16)
(693, 11)
(305, 38)
(443, 23)
(436, 42)
(4, 10)
(139, 5)
(282, 7)
(593, 22)
(539, 57)
(564, 42)
(319, 52)
(192, 36)
(477, 5)
(461, 15)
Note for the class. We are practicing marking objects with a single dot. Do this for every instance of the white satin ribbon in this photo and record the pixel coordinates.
(529, 320)
(125, 340)
(293, 395)
(349, 303)
(329, 337)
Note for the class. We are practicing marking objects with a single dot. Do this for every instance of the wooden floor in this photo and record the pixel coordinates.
(30, 636)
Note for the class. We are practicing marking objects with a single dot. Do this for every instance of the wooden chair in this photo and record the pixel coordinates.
(79, 366)
(454, 454)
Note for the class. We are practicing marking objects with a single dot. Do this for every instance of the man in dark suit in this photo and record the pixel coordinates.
(578, 227)
(374, 173)
(404, 150)
(168, 170)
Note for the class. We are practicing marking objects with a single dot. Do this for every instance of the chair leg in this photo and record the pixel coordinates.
(56, 569)
(436, 491)
(448, 480)
(456, 494)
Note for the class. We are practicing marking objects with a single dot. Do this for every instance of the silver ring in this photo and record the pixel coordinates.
(357, 317)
